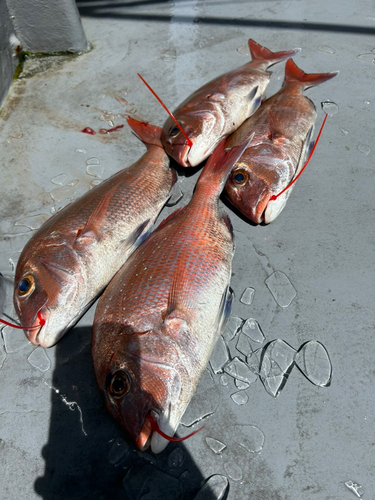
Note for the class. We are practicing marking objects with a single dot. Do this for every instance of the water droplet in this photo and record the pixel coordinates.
(176, 458)
(357, 489)
(252, 329)
(168, 55)
(63, 193)
(233, 470)
(363, 148)
(102, 96)
(248, 296)
(131, 109)
(345, 132)
(121, 100)
(96, 182)
(367, 57)
(80, 150)
(224, 380)
(244, 50)
(313, 360)
(249, 437)
(73, 182)
(277, 363)
(119, 451)
(238, 369)
(204, 401)
(93, 161)
(39, 359)
(281, 288)
(216, 446)
(241, 385)
(15, 132)
(2, 356)
(232, 328)
(175, 197)
(33, 222)
(59, 179)
(14, 339)
(243, 345)
(327, 49)
(95, 170)
(366, 102)
(216, 487)
(240, 398)
(329, 107)
(219, 356)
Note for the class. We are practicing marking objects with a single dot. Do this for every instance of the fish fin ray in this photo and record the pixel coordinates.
(228, 223)
(135, 238)
(224, 310)
(149, 134)
(294, 74)
(170, 217)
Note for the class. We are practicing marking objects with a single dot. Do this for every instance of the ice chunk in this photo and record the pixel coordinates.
(59, 179)
(33, 222)
(241, 385)
(249, 437)
(232, 328)
(119, 451)
(216, 446)
(252, 329)
(248, 296)
(355, 488)
(240, 398)
(243, 345)
(219, 355)
(39, 359)
(224, 380)
(253, 361)
(176, 458)
(239, 370)
(313, 360)
(281, 288)
(204, 402)
(233, 470)
(14, 339)
(2, 356)
(216, 487)
(277, 363)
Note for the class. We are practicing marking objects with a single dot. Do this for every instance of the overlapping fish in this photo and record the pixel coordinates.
(74, 255)
(283, 127)
(219, 107)
(158, 320)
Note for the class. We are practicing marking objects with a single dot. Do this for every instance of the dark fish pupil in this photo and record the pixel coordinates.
(239, 177)
(118, 385)
(24, 286)
(175, 131)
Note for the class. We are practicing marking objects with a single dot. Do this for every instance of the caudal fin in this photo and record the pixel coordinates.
(262, 54)
(294, 74)
(149, 134)
(218, 167)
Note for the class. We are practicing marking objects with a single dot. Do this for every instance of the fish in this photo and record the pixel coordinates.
(68, 262)
(219, 107)
(283, 127)
(158, 320)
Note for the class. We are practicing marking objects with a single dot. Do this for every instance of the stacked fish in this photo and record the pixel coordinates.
(168, 296)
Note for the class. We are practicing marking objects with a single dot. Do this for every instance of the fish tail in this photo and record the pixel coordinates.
(262, 54)
(219, 166)
(294, 74)
(149, 134)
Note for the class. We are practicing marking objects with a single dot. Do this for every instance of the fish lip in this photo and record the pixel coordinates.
(35, 334)
(184, 156)
(145, 436)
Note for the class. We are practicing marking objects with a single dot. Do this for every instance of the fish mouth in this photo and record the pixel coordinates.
(184, 156)
(148, 438)
(145, 436)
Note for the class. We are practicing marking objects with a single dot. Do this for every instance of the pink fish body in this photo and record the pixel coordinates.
(157, 322)
(283, 128)
(72, 257)
(219, 107)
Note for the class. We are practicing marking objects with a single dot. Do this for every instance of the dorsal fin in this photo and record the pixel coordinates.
(170, 217)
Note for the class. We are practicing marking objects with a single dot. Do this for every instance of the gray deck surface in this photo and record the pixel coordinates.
(315, 438)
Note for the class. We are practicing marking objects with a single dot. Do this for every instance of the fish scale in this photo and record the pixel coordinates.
(154, 346)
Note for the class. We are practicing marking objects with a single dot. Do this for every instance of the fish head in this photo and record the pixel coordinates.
(48, 285)
(139, 374)
(256, 177)
(202, 127)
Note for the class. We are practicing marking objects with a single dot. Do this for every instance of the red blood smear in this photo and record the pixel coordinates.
(88, 130)
(155, 427)
(109, 130)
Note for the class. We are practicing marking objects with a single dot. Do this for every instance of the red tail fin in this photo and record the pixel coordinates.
(260, 53)
(294, 74)
(149, 134)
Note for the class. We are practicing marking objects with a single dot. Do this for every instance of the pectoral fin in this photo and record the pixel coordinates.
(134, 239)
(224, 310)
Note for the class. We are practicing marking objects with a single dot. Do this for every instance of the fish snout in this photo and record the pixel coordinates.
(145, 436)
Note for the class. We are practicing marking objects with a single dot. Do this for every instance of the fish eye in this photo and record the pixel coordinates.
(119, 384)
(174, 131)
(240, 177)
(26, 286)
